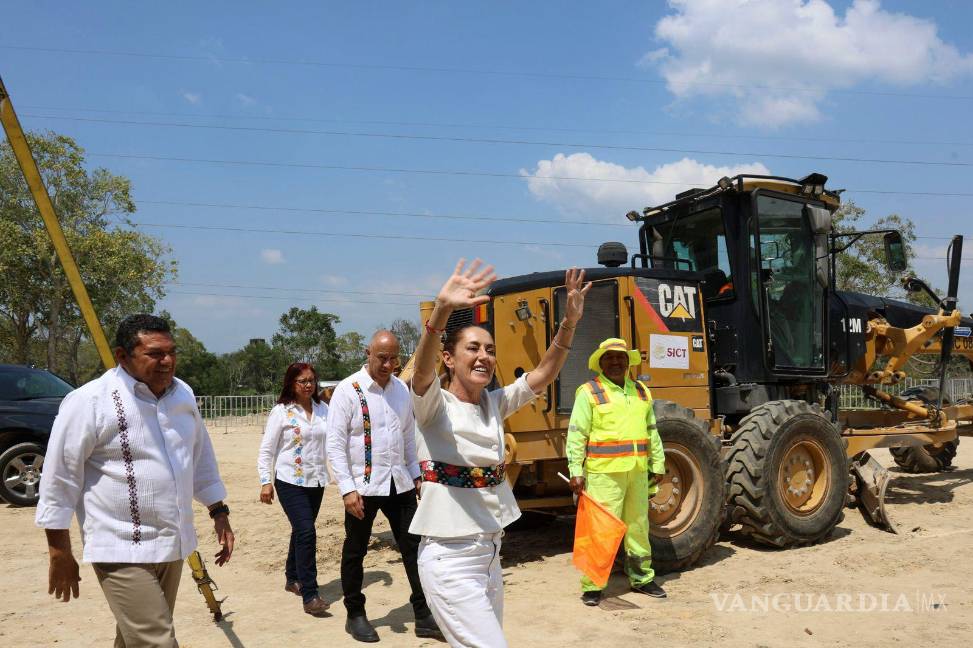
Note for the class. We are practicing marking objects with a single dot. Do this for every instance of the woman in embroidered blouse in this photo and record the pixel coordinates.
(292, 459)
(466, 501)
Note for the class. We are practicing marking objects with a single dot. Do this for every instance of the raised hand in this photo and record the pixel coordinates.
(460, 290)
(577, 289)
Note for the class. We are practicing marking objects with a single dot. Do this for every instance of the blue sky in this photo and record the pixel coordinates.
(303, 88)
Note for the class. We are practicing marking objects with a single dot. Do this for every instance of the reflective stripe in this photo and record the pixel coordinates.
(597, 391)
(643, 392)
(605, 450)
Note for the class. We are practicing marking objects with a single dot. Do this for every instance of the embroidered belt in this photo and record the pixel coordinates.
(366, 422)
(462, 476)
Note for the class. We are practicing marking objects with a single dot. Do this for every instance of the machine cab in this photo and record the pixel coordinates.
(762, 245)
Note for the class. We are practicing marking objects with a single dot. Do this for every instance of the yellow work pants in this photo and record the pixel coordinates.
(626, 495)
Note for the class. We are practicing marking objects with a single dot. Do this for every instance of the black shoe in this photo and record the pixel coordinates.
(650, 589)
(360, 629)
(426, 628)
(592, 598)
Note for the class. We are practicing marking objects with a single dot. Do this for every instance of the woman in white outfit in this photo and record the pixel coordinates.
(466, 501)
(291, 459)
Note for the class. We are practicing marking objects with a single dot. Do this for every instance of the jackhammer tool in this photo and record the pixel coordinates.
(205, 584)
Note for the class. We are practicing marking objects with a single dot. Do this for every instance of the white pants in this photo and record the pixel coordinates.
(463, 583)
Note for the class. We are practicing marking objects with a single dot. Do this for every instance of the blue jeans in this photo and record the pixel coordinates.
(301, 504)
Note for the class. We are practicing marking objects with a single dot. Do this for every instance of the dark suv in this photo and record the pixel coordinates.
(29, 399)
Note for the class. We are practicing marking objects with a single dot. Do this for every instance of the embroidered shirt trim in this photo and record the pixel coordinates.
(367, 429)
(133, 499)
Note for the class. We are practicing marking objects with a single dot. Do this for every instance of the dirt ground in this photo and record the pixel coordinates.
(862, 587)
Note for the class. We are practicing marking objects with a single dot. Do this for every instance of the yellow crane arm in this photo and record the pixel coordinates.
(21, 149)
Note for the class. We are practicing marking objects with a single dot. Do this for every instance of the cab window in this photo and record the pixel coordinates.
(700, 239)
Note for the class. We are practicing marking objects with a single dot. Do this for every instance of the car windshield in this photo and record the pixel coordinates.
(24, 383)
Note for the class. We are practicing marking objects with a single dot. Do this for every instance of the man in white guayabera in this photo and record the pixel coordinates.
(128, 454)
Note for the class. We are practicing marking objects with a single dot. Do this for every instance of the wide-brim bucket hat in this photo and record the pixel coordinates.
(613, 344)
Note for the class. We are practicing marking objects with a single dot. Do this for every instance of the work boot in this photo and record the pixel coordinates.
(317, 607)
(592, 598)
(360, 629)
(293, 587)
(427, 628)
(650, 589)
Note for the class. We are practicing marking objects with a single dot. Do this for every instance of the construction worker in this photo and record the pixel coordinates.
(612, 447)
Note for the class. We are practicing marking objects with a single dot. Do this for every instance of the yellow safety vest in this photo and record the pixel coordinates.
(619, 438)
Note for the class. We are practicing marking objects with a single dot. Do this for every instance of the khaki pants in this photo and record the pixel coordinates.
(142, 597)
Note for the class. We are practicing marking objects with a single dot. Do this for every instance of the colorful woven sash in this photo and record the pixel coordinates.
(462, 476)
(367, 428)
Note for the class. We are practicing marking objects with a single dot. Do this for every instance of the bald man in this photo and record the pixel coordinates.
(372, 449)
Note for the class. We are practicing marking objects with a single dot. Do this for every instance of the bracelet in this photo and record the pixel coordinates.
(222, 509)
(431, 330)
(565, 325)
(554, 342)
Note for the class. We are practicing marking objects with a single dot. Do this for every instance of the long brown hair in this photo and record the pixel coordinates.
(287, 394)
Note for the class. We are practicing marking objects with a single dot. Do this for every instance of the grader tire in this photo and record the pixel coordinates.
(788, 474)
(685, 514)
(927, 458)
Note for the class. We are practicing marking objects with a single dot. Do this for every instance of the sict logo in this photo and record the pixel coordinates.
(677, 301)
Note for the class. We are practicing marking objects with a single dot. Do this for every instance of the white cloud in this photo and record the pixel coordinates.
(245, 100)
(620, 189)
(334, 281)
(803, 47)
(272, 256)
(192, 97)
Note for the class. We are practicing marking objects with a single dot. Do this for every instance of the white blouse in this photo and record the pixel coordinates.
(295, 444)
(465, 434)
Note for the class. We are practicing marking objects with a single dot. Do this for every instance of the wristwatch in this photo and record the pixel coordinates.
(222, 509)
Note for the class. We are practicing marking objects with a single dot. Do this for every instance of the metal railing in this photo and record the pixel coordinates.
(956, 389)
(251, 411)
(236, 411)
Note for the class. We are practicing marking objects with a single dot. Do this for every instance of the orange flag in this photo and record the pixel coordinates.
(597, 534)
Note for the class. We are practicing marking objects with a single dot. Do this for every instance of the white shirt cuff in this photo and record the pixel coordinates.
(54, 517)
(346, 486)
(211, 495)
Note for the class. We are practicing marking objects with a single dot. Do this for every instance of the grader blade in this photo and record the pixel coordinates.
(872, 480)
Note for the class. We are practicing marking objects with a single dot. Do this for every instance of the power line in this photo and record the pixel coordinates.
(301, 289)
(354, 235)
(555, 129)
(364, 212)
(290, 299)
(460, 172)
(399, 238)
(485, 140)
(480, 71)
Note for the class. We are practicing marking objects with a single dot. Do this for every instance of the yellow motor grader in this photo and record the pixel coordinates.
(745, 342)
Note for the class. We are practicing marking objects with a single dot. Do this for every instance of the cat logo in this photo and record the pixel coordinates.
(677, 302)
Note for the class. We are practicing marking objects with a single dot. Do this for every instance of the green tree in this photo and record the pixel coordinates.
(861, 268)
(124, 271)
(408, 333)
(351, 352)
(308, 335)
(257, 368)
